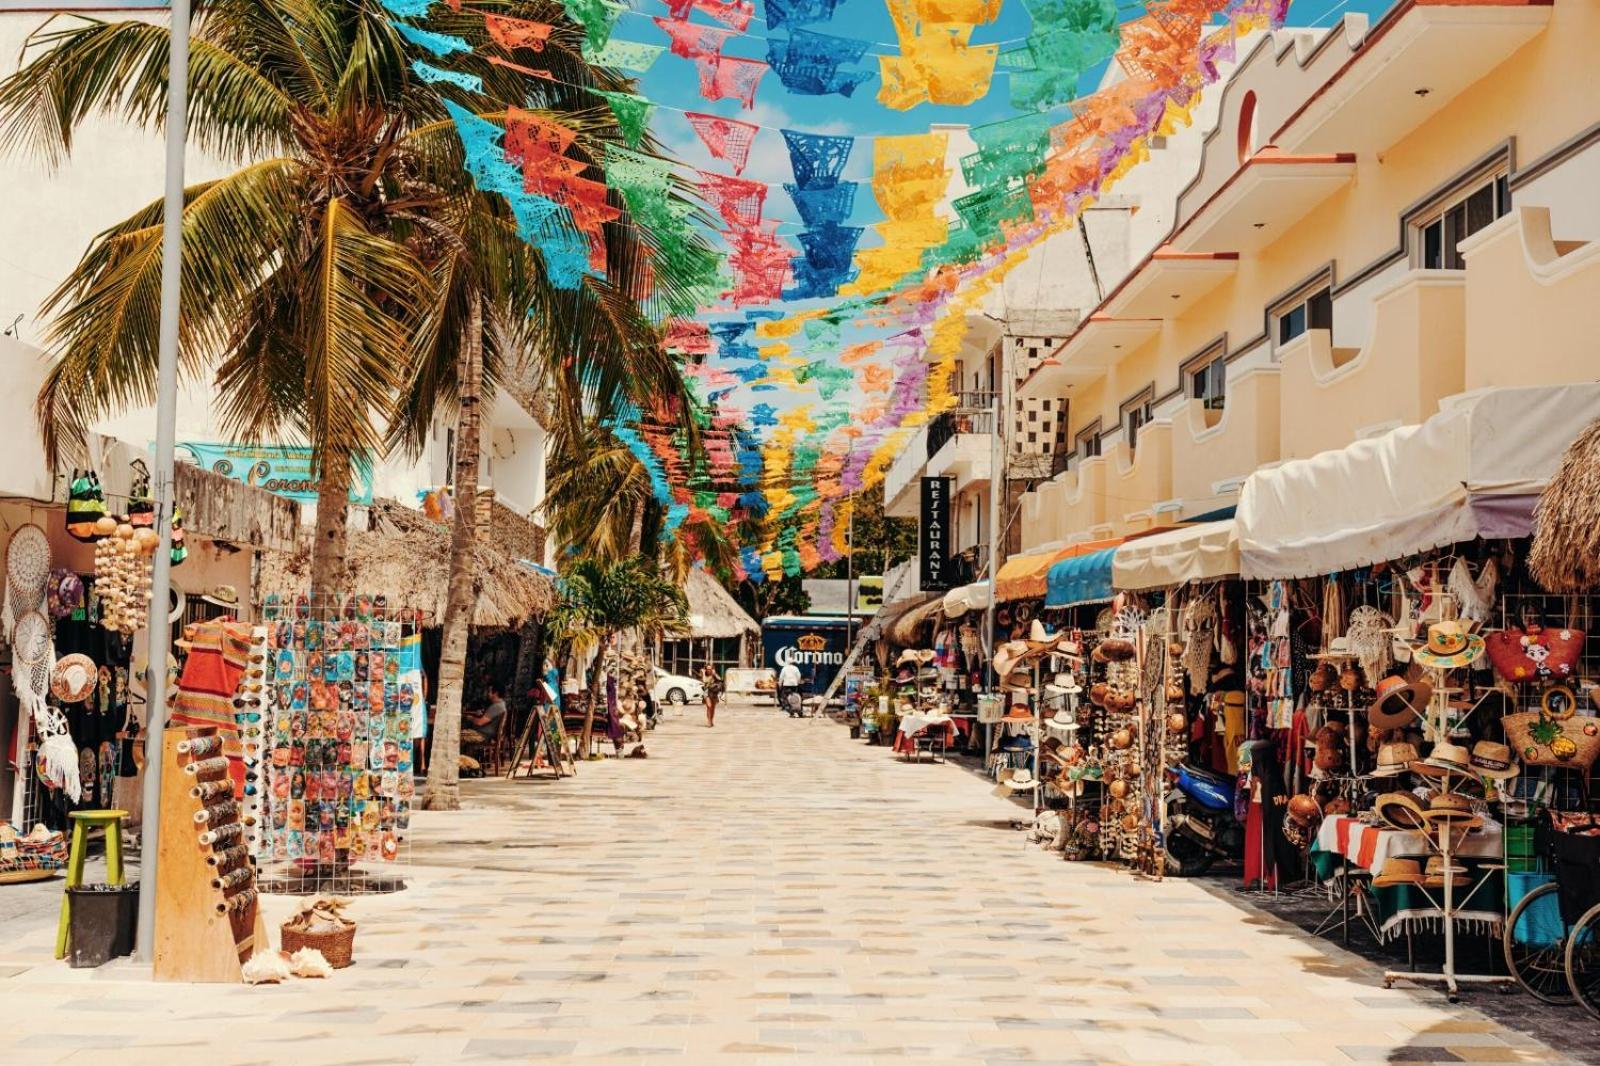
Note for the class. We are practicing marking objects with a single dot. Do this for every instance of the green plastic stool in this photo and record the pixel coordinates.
(82, 822)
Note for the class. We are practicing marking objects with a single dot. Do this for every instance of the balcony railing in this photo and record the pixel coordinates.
(961, 420)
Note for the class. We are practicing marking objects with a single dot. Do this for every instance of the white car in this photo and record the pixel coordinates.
(675, 688)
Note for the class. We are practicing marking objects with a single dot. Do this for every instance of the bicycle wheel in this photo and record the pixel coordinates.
(1535, 946)
(1583, 960)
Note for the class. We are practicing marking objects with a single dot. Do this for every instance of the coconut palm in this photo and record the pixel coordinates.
(327, 281)
(599, 601)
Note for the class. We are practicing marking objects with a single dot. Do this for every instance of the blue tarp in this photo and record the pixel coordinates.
(1082, 579)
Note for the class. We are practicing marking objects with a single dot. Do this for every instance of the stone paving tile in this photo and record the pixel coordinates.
(765, 890)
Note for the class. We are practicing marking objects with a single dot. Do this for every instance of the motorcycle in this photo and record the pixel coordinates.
(1201, 826)
(789, 699)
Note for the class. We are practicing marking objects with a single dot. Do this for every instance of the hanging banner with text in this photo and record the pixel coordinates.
(279, 469)
(933, 535)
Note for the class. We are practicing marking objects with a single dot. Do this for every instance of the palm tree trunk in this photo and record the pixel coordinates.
(596, 677)
(333, 529)
(443, 790)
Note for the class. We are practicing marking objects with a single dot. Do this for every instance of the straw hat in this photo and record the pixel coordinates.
(73, 679)
(1020, 779)
(1400, 810)
(1494, 760)
(1064, 719)
(222, 596)
(1008, 657)
(1398, 871)
(1433, 876)
(1018, 713)
(907, 658)
(1446, 758)
(1398, 702)
(1453, 809)
(1449, 646)
(1064, 685)
(1395, 759)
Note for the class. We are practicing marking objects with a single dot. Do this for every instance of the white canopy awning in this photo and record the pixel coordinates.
(1201, 552)
(1472, 470)
(973, 597)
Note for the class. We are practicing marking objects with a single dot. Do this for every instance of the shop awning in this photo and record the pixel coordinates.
(1473, 470)
(903, 631)
(973, 597)
(1022, 577)
(1082, 579)
(1200, 552)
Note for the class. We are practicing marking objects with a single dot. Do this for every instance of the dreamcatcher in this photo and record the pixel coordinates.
(34, 660)
(27, 574)
(1370, 640)
(1198, 625)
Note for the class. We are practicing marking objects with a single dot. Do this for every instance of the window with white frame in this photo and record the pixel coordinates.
(1437, 232)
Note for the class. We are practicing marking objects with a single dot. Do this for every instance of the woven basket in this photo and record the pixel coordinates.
(336, 946)
(1576, 745)
(991, 708)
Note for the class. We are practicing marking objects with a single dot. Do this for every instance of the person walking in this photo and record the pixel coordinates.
(789, 682)
(712, 683)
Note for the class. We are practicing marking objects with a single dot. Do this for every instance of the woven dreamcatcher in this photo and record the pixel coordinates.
(34, 660)
(1199, 630)
(1370, 640)
(27, 573)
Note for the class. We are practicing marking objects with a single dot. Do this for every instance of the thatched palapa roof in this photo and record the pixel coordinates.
(1566, 521)
(712, 612)
(406, 557)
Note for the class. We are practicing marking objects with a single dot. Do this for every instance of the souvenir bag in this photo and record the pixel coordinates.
(1555, 734)
(86, 507)
(1534, 653)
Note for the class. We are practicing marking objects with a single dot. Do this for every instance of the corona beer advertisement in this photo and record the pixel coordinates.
(284, 471)
(815, 646)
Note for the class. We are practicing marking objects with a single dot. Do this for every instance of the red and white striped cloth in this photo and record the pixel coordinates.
(1368, 845)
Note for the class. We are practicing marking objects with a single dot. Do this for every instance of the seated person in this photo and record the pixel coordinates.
(487, 720)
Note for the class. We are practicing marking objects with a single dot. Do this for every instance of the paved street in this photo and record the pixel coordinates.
(767, 888)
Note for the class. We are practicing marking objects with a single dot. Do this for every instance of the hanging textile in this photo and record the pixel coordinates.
(737, 200)
(690, 39)
(433, 75)
(818, 159)
(734, 13)
(725, 77)
(628, 55)
(632, 112)
(809, 63)
(597, 17)
(799, 12)
(440, 44)
(725, 138)
(510, 33)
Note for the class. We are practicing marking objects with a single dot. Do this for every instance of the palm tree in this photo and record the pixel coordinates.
(327, 282)
(601, 600)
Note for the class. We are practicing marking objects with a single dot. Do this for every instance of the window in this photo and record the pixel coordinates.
(1135, 414)
(1089, 442)
(1210, 383)
(1438, 232)
(1312, 311)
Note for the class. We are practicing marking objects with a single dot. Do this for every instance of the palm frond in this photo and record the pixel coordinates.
(120, 68)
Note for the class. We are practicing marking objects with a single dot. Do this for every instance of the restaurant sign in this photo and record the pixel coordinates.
(933, 535)
(283, 471)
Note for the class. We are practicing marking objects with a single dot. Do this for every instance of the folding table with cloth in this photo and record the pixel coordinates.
(1406, 907)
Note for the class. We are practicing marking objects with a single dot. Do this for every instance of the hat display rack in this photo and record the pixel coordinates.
(1446, 833)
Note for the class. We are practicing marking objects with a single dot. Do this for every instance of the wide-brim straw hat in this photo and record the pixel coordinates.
(1453, 809)
(1395, 759)
(1490, 759)
(74, 678)
(1398, 871)
(1445, 758)
(1400, 810)
(1398, 702)
(1449, 646)
(907, 658)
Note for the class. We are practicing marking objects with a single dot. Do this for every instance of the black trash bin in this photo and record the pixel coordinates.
(104, 920)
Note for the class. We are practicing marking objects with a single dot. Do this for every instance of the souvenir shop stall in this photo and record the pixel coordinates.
(1420, 709)
(931, 667)
(77, 591)
(1188, 719)
(1075, 697)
